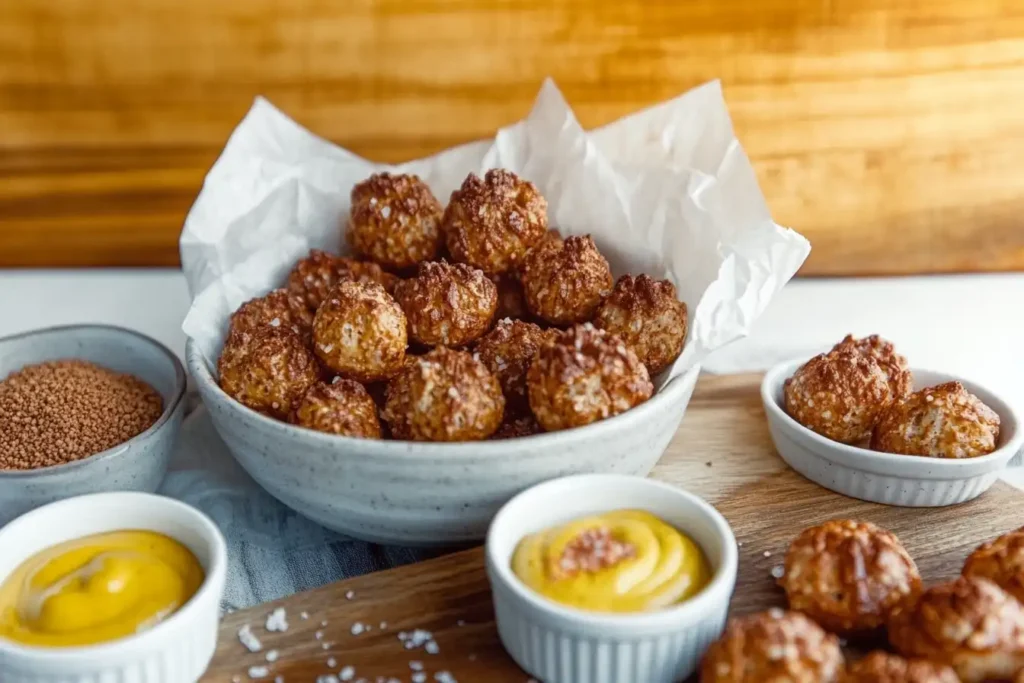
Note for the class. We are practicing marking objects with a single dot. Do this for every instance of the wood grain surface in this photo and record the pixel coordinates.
(889, 133)
(722, 452)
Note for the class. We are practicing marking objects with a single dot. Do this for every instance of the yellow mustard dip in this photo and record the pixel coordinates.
(96, 589)
(622, 561)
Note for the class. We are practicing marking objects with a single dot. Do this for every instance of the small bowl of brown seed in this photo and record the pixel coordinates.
(84, 409)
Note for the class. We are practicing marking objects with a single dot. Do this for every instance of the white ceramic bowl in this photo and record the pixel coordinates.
(177, 650)
(558, 644)
(887, 478)
(416, 494)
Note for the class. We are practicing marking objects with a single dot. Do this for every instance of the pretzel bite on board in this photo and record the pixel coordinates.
(491, 222)
(944, 421)
(970, 623)
(564, 281)
(583, 375)
(447, 304)
(849, 576)
(507, 351)
(342, 407)
(776, 646)
(268, 371)
(646, 314)
(839, 395)
(882, 667)
(1001, 561)
(395, 221)
(894, 365)
(360, 332)
(445, 395)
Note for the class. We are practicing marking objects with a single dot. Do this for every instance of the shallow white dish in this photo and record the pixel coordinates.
(422, 494)
(904, 480)
(558, 644)
(178, 650)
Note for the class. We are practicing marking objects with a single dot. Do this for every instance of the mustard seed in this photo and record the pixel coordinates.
(65, 410)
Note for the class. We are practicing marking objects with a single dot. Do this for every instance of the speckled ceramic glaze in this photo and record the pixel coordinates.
(140, 463)
(423, 493)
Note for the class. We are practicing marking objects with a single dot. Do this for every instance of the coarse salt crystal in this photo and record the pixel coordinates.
(327, 678)
(383, 625)
(258, 672)
(326, 646)
(277, 621)
(236, 679)
(319, 635)
(431, 648)
(444, 677)
(332, 662)
(323, 623)
(278, 679)
(249, 639)
(767, 553)
(416, 665)
(385, 211)
(347, 673)
(357, 628)
(419, 677)
(305, 615)
(272, 656)
(349, 595)
(778, 571)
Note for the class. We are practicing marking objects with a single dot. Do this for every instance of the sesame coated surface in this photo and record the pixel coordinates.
(969, 623)
(849, 576)
(360, 332)
(646, 314)
(839, 395)
(444, 395)
(65, 410)
(583, 375)
(564, 281)
(395, 221)
(491, 222)
(773, 646)
(342, 407)
(944, 421)
(447, 304)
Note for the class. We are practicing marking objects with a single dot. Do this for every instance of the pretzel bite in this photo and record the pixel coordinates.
(564, 281)
(312, 278)
(445, 395)
(275, 309)
(342, 407)
(395, 221)
(1000, 561)
(838, 395)
(267, 371)
(360, 332)
(646, 314)
(511, 303)
(447, 304)
(490, 223)
(776, 646)
(971, 624)
(517, 427)
(507, 351)
(945, 421)
(882, 667)
(849, 576)
(894, 365)
(583, 375)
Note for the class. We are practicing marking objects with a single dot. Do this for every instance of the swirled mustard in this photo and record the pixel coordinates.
(621, 561)
(97, 589)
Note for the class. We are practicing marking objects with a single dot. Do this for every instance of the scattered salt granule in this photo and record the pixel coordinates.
(461, 622)
(349, 595)
(236, 679)
(304, 615)
(258, 672)
(383, 625)
(332, 662)
(319, 635)
(327, 678)
(767, 553)
(431, 648)
(357, 628)
(277, 621)
(416, 665)
(417, 638)
(419, 677)
(278, 679)
(272, 656)
(347, 673)
(778, 571)
(444, 677)
(327, 646)
(249, 639)
(323, 623)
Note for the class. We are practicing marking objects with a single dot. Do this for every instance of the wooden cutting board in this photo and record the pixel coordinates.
(722, 452)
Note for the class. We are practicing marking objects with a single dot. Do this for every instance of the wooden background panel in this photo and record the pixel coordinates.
(889, 133)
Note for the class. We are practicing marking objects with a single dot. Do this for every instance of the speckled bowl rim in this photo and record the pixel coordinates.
(888, 463)
(535, 446)
(180, 384)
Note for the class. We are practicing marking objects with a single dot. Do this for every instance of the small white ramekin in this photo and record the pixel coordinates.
(559, 644)
(887, 478)
(177, 650)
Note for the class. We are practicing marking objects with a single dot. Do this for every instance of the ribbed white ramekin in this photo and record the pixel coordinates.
(178, 650)
(558, 644)
(905, 480)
